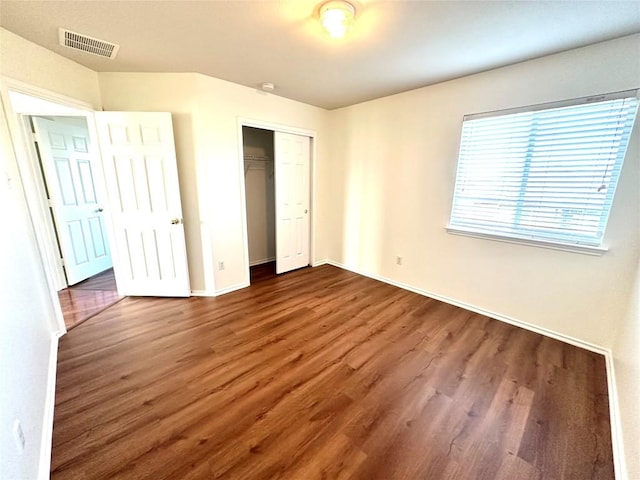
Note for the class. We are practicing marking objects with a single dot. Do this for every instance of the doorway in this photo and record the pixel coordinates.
(140, 162)
(21, 101)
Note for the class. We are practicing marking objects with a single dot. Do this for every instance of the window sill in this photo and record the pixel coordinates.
(583, 249)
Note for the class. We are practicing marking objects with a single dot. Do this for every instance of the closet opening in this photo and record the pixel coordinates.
(259, 176)
(277, 187)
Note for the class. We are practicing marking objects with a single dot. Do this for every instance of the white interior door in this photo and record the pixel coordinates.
(71, 173)
(139, 159)
(292, 201)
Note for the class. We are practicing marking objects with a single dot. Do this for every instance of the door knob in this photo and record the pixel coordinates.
(175, 221)
(99, 210)
(305, 211)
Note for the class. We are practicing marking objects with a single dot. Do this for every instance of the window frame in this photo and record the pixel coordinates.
(525, 239)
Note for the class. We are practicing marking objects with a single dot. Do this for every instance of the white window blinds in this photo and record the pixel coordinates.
(548, 174)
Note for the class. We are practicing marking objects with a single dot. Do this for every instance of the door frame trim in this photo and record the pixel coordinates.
(38, 184)
(276, 127)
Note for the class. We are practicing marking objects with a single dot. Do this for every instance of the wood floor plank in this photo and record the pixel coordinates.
(323, 374)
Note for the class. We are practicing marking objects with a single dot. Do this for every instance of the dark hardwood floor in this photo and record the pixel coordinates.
(323, 374)
(85, 299)
(262, 272)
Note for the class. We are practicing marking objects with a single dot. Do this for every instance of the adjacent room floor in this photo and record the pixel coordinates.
(82, 301)
(322, 373)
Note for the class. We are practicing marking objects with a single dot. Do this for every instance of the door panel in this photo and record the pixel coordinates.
(142, 181)
(70, 171)
(292, 154)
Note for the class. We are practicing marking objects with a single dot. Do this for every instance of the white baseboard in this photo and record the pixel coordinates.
(260, 262)
(202, 293)
(232, 288)
(44, 469)
(614, 407)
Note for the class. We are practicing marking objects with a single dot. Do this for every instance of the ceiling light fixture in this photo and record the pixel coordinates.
(337, 16)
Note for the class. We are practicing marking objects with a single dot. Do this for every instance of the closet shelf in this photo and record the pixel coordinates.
(257, 162)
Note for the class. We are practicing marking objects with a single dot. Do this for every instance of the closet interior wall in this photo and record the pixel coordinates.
(258, 153)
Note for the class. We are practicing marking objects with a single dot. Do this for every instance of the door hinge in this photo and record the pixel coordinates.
(61, 261)
(50, 202)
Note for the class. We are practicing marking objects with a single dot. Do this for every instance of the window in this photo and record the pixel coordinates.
(545, 174)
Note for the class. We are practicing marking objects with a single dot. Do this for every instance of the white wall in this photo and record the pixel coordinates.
(28, 344)
(27, 321)
(30, 63)
(626, 356)
(396, 158)
(210, 166)
(260, 193)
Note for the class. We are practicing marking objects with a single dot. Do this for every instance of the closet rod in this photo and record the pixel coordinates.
(256, 158)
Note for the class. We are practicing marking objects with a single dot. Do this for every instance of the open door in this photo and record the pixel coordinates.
(141, 174)
(69, 167)
(292, 154)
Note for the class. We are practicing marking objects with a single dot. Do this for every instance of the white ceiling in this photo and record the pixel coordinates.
(395, 45)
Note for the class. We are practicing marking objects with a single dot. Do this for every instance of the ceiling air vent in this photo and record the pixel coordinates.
(87, 44)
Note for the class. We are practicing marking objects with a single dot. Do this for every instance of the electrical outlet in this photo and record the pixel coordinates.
(398, 260)
(220, 265)
(18, 435)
